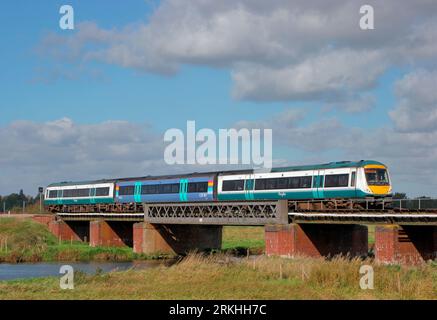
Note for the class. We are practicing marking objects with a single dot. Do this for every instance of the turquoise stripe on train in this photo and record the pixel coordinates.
(79, 201)
(137, 191)
(293, 195)
(183, 190)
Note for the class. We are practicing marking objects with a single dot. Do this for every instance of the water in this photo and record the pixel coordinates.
(45, 269)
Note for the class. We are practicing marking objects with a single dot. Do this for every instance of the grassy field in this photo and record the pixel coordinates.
(223, 277)
(218, 276)
(22, 240)
(240, 239)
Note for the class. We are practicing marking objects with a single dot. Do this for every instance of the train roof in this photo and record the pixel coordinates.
(74, 183)
(330, 165)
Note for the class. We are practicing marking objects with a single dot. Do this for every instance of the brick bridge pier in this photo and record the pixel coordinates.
(143, 237)
(178, 229)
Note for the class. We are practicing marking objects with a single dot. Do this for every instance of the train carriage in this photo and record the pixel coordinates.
(62, 194)
(337, 180)
(177, 189)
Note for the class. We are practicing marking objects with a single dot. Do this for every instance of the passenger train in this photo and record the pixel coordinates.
(365, 179)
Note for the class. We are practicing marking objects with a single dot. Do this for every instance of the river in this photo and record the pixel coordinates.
(45, 269)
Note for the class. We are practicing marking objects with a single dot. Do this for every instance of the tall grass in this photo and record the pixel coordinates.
(225, 277)
(23, 240)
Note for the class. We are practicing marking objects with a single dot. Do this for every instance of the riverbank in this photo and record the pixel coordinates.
(23, 240)
(222, 277)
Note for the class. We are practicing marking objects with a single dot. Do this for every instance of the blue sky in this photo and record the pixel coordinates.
(209, 83)
(199, 93)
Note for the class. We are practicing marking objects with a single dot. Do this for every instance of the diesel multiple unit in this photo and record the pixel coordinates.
(365, 179)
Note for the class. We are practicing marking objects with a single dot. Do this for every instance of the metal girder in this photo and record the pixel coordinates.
(218, 213)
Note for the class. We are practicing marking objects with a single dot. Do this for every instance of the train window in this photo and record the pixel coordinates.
(377, 177)
(233, 185)
(102, 192)
(194, 187)
(260, 184)
(293, 183)
(149, 189)
(336, 180)
(282, 183)
(299, 182)
(165, 188)
(191, 187)
(145, 189)
(53, 194)
(271, 184)
(202, 187)
(126, 191)
(76, 193)
(305, 182)
(175, 188)
(160, 189)
(83, 193)
(353, 178)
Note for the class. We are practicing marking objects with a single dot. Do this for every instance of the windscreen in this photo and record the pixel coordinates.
(377, 177)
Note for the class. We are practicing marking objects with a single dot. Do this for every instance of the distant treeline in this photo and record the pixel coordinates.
(401, 195)
(15, 201)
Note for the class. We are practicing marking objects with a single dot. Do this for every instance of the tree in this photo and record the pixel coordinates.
(15, 200)
(400, 195)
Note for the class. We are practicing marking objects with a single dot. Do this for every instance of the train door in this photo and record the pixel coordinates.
(183, 189)
(318, 183)
(59, 195)
(353, 182)
(249, 185)
(92, 195)
(137, 192)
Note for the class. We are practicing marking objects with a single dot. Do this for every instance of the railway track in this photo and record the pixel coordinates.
(267, 212)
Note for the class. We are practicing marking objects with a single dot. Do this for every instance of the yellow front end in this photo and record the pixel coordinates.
(377, 179)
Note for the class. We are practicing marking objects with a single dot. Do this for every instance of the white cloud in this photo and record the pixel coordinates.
(276, 50)
(37, 154)
(40, 153)
(329, 76)
(411, 156)
(417, 108)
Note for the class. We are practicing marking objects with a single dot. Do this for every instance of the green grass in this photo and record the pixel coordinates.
(23, 240)
(371, 229)
(243, 238)
(215, 276)
(222, 277)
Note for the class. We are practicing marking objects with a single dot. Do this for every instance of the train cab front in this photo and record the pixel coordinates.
(378, 180)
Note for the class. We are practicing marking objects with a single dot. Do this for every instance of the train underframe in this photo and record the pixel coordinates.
(340, 204)
(293, 205)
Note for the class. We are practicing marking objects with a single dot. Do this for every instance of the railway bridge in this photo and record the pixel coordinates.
(405, 230)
